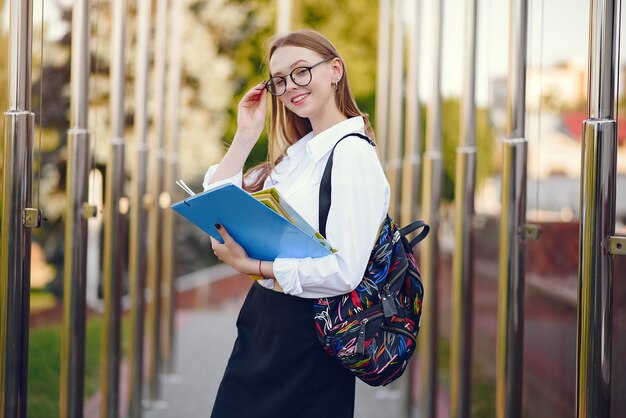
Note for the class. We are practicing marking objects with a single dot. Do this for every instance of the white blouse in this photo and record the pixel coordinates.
(359, 204)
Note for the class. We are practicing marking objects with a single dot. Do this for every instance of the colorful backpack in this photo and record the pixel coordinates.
(372, 330)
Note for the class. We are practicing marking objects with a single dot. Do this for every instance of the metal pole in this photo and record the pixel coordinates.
(394, 158)
(17, 216)
(139, 216)
(114, 233)
(463, 266)
(382, 79)
(597, 222)
(510, 338)
(412, 163)
(510, 341)
(429, 257)
(77, 212)
(155, 268)
(283, 17)
(171, 175)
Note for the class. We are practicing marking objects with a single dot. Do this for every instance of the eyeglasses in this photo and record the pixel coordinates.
(301, 76)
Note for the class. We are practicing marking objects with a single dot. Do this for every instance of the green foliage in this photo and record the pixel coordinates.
(352, 27)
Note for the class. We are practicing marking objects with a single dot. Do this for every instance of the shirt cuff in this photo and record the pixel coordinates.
(286, 273)
(267, 283)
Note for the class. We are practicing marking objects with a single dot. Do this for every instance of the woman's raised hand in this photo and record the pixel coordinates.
(251, 113)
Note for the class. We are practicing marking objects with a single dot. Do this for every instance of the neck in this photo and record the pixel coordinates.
(328, 119)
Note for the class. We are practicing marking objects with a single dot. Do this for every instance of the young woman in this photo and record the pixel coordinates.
(277, 367)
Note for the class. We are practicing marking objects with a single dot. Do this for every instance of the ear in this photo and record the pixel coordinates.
(337, 69)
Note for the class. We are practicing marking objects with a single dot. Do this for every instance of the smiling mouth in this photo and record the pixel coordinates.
(299, 98)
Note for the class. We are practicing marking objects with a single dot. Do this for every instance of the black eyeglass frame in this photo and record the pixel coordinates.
(268, 83)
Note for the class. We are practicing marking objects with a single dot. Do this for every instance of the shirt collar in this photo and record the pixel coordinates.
(322, 143)
(299, 146)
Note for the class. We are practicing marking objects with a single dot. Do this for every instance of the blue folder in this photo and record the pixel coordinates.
(263, 233)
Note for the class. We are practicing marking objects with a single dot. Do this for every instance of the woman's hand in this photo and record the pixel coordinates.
(235, 256)
(232, 253)
(251, 113)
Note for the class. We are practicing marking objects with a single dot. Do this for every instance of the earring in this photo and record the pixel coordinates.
(337, 83)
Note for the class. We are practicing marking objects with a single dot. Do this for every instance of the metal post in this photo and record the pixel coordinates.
(462, 266)
(155, 186)
(139, 216)
(114, 233)
(171, 175)
(510, 341)
(283, 16)
(77, 212)
(396, 99)
(412, 162)
(597, 222)
(429, 257)
(510, 338)
(17, 216)
(382, 79)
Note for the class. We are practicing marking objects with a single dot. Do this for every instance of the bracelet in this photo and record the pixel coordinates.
(260, 272)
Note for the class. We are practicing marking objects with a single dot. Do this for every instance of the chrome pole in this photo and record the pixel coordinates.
(114, 232)
(17, 216)
(171, 175)
(137, 260)
(283, 16)
(412, 162)
(597, 209)
(510, 338)
(396, 99)
(156, 187)
(77, 212)
(433, 166)
(510, 341)
(462, 265)
(382, 78)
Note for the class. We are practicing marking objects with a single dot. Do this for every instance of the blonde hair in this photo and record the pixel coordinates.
(285, 126)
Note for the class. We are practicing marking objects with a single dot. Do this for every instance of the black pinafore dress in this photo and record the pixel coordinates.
(278, 368)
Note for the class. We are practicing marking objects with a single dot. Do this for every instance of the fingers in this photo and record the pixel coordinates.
(255, 94)
(223, 233)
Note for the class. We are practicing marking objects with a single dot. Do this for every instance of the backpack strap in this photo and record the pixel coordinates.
(325, 184)
(413, 227)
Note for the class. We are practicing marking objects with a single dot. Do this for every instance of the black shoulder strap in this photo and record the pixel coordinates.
(325, 184)
(413, 227)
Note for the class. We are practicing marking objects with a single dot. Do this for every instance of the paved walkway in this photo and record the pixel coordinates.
(205, 339)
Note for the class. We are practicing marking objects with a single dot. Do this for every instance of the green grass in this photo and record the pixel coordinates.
(41, 300)
(44, 367)
(483, 396)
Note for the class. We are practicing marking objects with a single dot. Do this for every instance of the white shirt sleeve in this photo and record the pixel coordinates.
(359, 204)
(237, 179)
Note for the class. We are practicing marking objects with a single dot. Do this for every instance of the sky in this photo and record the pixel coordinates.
(565, 36)
(557, 31)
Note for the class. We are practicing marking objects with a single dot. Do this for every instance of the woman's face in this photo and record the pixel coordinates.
(308, 101)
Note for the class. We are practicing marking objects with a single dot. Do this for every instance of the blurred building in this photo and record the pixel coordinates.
(555, 99)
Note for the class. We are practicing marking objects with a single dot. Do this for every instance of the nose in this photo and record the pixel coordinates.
(293, 83)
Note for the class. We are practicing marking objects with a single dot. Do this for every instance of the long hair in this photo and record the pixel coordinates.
(285, 126)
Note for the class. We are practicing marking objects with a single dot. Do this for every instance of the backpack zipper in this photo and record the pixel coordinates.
(387, 299)
(360, 341)
(399, 331)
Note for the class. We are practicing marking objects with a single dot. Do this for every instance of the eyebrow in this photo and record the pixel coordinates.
(292, 66)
